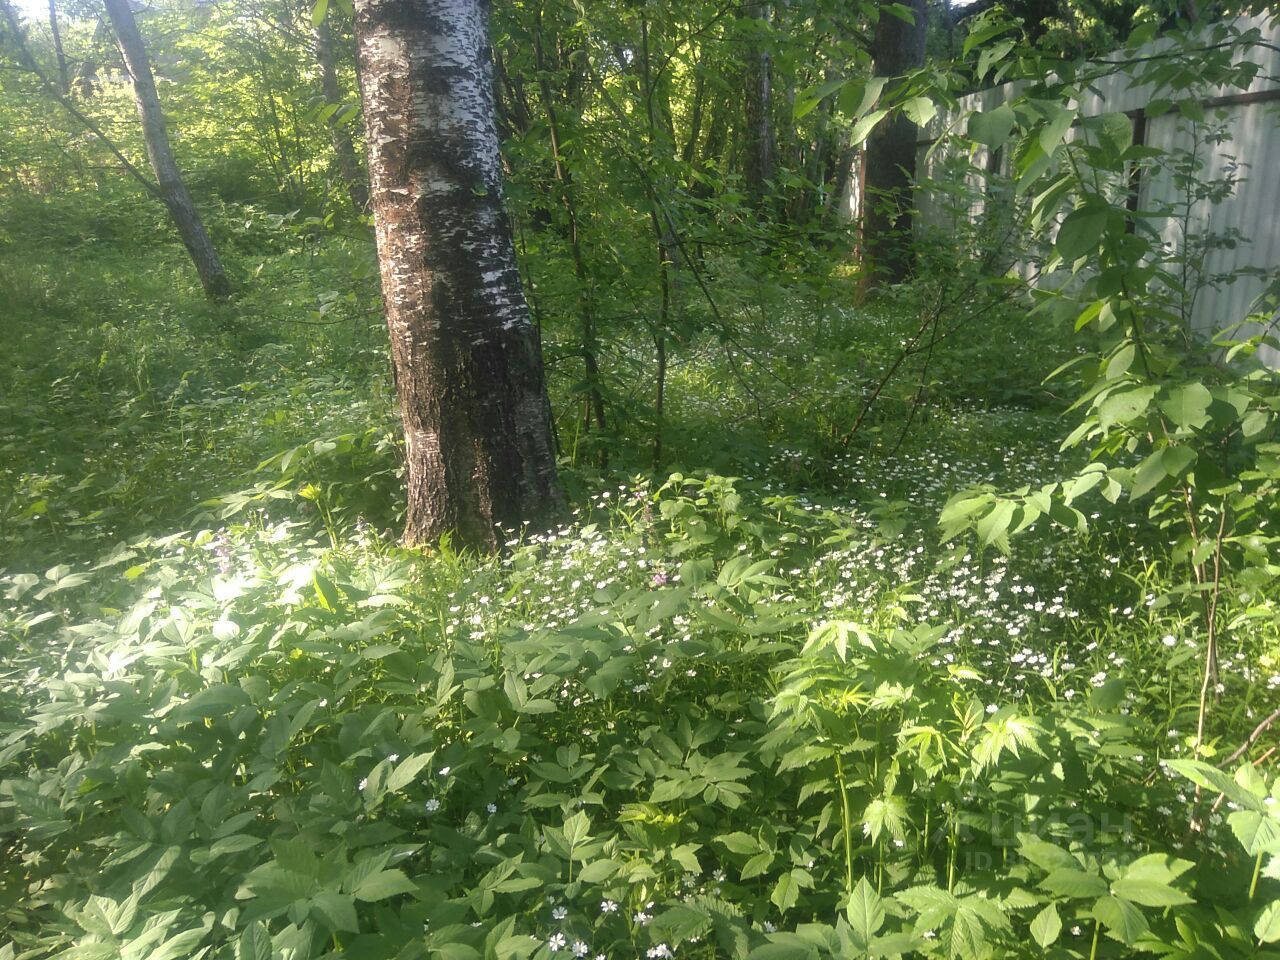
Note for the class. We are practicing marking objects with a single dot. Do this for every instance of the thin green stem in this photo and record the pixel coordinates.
(953, 840)
(846, 820)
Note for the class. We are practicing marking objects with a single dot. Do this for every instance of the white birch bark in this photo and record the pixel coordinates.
(478, 439)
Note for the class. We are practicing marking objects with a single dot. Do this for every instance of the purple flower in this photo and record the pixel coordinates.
(660, 578)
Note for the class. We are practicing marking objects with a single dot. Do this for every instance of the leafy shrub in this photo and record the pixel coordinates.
(635, 734)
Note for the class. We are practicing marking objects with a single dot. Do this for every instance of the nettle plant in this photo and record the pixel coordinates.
(1181, 420)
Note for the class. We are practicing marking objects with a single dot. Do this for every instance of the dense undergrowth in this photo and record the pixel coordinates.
(756, 707)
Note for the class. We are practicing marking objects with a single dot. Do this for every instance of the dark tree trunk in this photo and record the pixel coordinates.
(344, 152)
(890, 162)
(514, 115)
(664, 239)
(64, 78)
(172, 191)
(760, 162)
(477, 423)
(587, 338)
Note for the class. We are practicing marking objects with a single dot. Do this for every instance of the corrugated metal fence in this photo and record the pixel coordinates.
(1251, 117)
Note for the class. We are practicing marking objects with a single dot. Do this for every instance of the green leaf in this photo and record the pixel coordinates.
(384, 884)
(982, 31)
(885, 815)
(1108, 696)
(515, 947)
(679, 923)
(318, 12)
(1123, 920)
(1267, 929)
(1055, 128)
(254, 943)
(1114, 131)
(1047, 925)
(782, 946)
(808, 99)
(1254, 422)
(1045, 855)
(857, 99)
(517, 884)
(1074, 883)
(1149, 893)
(786, 892)
(216, 701)
(995, 524)
(407, 771)
(577, 830)
(993, 55)
(685, 856)
(1177, 460)
(1149, 475)
(178, 947)
(1187, 406)
(992, 127)
(862, 129)
(1082, 230)
(932, 904)
(233, 844)
(1257, 832)
(1124, 406)
(865, 911)
(1159, 867)
(326, 593)
(336, 911)
(757, 865)
(599, 870)
(1118, 363)
(920, 110)
(739, 842)
(901, 11)
(455, 950)
(1211, 778)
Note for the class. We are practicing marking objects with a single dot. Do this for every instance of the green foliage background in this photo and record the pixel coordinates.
(868, 663)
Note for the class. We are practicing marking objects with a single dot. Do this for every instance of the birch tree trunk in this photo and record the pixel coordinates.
(344, 152)
(890, 164)
(477, 423)
(172, 191)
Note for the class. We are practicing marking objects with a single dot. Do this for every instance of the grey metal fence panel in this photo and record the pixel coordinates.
(1254, 148)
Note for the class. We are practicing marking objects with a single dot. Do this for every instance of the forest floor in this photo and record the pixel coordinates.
(705, 715)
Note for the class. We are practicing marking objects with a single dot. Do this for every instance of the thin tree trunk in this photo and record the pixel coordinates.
(514, 115)
(837, 212)
(890, 161)
(64, 80)
(711, 157)
(665, 245)
(343, 151)
(761, 146)
(690, 149)
(477, 423)
(173, 192)
(586, 306)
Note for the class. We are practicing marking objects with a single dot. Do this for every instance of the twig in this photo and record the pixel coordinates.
(1258, 731)
(29, 62)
